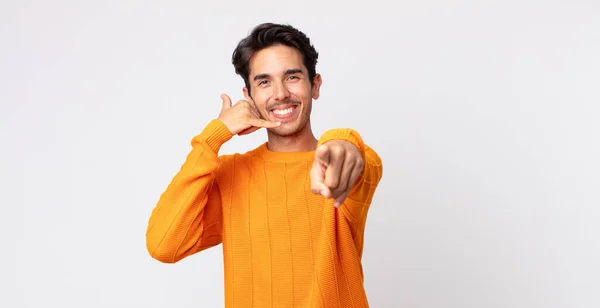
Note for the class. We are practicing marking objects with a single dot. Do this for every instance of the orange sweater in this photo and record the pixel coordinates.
(283, 246)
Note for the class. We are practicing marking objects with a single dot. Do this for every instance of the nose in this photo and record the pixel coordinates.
(280, 92)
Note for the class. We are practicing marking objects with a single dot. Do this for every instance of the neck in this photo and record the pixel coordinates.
(303, 141)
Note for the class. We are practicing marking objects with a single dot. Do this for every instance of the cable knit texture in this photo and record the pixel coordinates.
(283, 245)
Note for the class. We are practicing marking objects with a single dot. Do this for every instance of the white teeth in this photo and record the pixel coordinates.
(283, 112)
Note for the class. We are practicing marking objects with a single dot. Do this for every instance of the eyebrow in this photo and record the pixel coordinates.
(287, 72)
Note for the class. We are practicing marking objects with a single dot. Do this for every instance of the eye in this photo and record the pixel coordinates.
(262, 82)
(294, 77)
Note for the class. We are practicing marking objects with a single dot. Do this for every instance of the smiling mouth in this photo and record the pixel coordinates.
(284, 112)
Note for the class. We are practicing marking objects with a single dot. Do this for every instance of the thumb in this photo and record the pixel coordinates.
(226, 101)
(317, 176)
(322, 155)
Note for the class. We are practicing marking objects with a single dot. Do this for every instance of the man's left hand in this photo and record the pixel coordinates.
(337, 165)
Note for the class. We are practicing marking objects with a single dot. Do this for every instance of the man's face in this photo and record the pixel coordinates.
(281, 89)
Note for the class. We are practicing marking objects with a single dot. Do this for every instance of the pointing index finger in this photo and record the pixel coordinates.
(323, 154)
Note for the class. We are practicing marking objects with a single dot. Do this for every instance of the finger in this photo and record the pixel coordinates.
(345, 177)
(254, 112)
(243, 103)
(340, 200)
(263, 123)
(325, 191)
(317, 178)
(351, 181)
(248, 130)
(252, 104)
(322, 155)
(356, 172)
(226, 101)
(334, 170)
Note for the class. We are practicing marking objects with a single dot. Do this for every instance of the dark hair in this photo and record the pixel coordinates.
(270, 34)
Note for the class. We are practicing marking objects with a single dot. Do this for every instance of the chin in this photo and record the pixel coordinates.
(284, 131)
(289, 129)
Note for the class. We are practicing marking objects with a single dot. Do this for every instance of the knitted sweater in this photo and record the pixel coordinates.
(283, 246)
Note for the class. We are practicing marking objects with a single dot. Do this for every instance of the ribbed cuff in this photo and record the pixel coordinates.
(215, 134)
(344, 134)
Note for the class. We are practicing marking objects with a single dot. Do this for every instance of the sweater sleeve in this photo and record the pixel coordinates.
(359, 199)
(187, 217)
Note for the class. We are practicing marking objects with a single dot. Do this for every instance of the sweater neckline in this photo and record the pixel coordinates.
(283, 157)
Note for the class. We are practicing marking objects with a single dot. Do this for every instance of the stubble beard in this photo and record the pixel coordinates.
(302, 121)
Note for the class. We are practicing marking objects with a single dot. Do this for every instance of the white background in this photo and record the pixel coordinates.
(486, 115)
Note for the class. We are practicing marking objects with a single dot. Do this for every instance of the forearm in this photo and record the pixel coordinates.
(179, 222)
(359, 198)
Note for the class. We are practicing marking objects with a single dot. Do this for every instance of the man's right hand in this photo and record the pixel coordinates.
(242, 118)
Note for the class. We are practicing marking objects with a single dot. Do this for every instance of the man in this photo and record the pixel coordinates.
(291, 213)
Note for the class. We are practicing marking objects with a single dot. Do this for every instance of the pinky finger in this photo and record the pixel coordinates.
(339, 200)
(353, 178)
(248, 131)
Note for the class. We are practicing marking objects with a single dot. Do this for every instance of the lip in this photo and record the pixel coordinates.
(286, 116)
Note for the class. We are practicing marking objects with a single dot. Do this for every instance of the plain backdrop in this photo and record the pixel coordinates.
(485, 113)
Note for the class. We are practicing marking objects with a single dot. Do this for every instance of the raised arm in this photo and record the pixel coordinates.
(187, 218)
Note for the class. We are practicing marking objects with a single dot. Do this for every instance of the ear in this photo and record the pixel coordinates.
(316, 88)
(247, 95)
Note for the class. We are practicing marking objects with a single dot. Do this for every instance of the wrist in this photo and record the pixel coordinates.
(215, 134)
(346, 134)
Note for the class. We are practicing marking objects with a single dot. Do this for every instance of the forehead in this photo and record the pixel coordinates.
(275, 60)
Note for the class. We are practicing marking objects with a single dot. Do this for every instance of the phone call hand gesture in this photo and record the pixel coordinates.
(242, 118)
